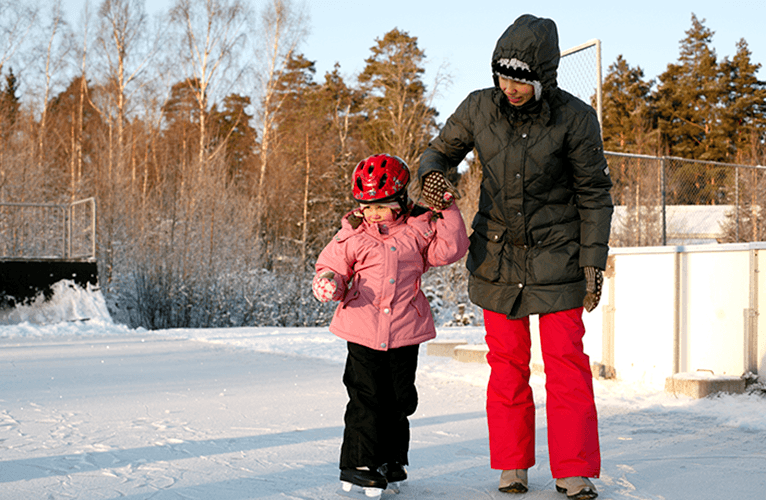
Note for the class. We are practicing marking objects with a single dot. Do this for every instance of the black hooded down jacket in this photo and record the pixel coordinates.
(544, 207)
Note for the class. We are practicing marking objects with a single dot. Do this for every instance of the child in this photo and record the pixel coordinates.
(373, 267)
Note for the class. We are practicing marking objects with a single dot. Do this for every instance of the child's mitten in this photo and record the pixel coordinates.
(325, 288)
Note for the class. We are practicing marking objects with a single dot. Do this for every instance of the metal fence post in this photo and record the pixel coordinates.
(751, 317)
(68, 236)
(599, 90)
(677, 312)
(736, 202)
(64, 228)
(662, 197)
(93, 228)
(570, 69)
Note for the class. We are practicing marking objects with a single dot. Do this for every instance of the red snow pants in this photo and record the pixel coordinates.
(573, 443)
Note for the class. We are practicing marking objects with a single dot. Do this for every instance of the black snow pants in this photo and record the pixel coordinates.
(382, 394)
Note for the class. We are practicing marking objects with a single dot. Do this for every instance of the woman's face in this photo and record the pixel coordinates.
(518, 93)
(377, 213)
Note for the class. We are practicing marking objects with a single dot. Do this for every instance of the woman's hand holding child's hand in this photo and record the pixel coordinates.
(325, 288)
(437, 192)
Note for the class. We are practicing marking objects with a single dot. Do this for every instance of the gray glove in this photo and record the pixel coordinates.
(594, 278)
(437, 192)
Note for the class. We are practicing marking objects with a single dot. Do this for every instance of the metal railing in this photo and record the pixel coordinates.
(41, 231)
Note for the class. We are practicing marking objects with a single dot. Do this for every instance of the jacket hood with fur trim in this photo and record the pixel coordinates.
(534, 41)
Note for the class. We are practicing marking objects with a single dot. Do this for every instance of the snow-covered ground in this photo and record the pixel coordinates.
(92, 410)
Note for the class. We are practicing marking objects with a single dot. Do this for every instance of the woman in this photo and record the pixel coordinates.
(538, 246)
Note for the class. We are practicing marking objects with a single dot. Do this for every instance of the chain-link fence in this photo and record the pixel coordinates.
(668, 200)
(580, 73)
(48, 231)
(674, 201)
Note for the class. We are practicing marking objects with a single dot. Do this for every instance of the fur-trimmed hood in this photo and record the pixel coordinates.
(533, 41)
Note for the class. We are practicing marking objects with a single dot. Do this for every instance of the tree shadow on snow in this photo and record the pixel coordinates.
(61, 465)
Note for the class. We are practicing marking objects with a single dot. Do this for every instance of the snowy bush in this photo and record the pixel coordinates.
(149, 299)
(447, 291)
(155, 297)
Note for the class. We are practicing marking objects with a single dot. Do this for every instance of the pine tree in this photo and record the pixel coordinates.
(627, 112)
(293, 122)
(11, 147)
(9, 102)
(688, 106)
(628, 127)
(743, 130)
(688, 97)
(341, 108)
(180, 129)
(66, 130)
(743, 105)
(235, 137)
(399, 120)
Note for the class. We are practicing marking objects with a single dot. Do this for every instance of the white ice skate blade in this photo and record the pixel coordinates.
(353, 491)
(395, 487)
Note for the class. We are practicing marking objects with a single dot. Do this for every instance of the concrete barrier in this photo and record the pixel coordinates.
(702, 384)
(471, 353)
(445, 348)
(460, 350)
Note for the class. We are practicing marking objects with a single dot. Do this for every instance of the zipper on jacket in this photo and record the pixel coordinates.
(525, 137)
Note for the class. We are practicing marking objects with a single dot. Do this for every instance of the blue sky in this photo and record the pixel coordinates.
(459, 35)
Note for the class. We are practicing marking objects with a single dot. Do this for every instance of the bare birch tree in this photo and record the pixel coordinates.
(283, 27)
(53, 63)
(16, 23)
(126, 52)
(76, 160)
(211, 32)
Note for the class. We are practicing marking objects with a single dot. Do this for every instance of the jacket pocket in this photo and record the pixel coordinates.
(485, 254)
(350, 297)
(556, 254)
(557, 235)
(417, 306)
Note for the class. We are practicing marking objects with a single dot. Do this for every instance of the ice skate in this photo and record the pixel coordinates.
(513, 481)
(576, 488)
(395, 474)
(362, 483)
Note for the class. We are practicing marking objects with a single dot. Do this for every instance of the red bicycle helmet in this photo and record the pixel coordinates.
(380, 178)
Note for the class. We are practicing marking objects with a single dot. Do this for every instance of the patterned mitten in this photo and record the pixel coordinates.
(325, 288)
(594, 278)
(437, 192)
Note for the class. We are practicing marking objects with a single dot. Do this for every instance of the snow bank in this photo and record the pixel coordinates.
(68, 306)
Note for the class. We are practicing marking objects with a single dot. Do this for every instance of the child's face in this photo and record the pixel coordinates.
(377, 213)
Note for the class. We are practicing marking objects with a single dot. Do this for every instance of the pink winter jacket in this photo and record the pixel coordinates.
(382, 306)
